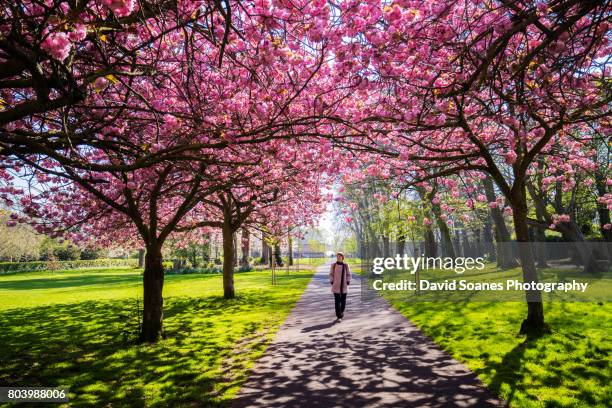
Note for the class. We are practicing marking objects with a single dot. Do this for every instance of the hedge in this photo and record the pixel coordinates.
(8, 267)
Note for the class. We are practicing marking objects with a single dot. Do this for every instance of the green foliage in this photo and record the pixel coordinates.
(245, 268)
(76, 329)
(9, 267)
(189, 270)
(90, 253)
(18, 243)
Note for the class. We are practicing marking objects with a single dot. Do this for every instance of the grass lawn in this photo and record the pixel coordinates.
(569, 368)
(76, 329)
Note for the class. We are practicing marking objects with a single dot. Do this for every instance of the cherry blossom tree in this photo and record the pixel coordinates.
(216, 113)
(479, 87)
(70, 68)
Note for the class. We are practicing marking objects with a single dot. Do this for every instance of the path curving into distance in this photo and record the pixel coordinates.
(374, 358)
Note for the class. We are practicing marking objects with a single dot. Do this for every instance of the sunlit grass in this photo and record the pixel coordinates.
(571, 367)
(76, 329)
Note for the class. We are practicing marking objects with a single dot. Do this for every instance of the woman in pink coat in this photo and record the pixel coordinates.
(340, 278)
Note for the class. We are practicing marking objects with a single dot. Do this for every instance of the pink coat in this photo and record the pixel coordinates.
(335, 277)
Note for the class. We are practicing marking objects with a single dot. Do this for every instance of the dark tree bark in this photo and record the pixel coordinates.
(445, 234)
(478, 250)
(569, 230)
(235, 253)
(153, 301)
(534, 323)
(401, 243)
(386, 246)
(487, 236)
(505, 254)
(540, 247)
(206, 248)
(277, 255)
(141, 257)
(602, 210)
(290, 250)
(457, 244)
(228, 261)
(246, 247)
(431, 249)
(465, 242)
(265, 250)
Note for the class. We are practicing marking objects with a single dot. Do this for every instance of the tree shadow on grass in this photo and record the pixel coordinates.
(572, 360)
(89, 348)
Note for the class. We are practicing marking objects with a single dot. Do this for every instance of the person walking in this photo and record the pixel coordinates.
(339, 279)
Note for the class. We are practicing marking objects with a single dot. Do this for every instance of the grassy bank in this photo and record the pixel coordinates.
(76, 329)
(571, 367)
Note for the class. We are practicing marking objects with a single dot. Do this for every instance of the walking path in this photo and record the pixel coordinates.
(374, 357)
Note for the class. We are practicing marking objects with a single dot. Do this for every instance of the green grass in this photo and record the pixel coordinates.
(76, 329)
(571, 367)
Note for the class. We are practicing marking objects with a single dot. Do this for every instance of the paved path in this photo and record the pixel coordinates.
(373, 358)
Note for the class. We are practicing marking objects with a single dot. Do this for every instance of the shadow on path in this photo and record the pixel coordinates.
(374, 357)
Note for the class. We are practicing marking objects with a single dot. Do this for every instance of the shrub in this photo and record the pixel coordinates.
(187, 271)
(8, 267)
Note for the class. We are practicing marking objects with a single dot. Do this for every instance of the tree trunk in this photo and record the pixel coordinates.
(246, 247)
(457, 244)
(401, 244)
(153, 301)
(235, 250)
(141, 257)
(465, 242)
(430, 242)
(265, 250)
(540, 245)
(386, 246)
(602, 209)
(487, 236)
(586, 255)
(478, 250)
(277, 255)
(228, 261)
(534, 323)
(505, 254)
(290, 250)
(445, 235)
(206, 248)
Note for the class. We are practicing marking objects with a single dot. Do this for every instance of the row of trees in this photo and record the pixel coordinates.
(436, 220)
(512, 91)
(144, 121)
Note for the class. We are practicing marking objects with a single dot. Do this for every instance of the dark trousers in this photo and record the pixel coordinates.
(340, 300)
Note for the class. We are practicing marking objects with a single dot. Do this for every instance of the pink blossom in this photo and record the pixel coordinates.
(564, 218)
(121, 8)
(100, 83)
(510, 157)
(79, 33)
(57, 45)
